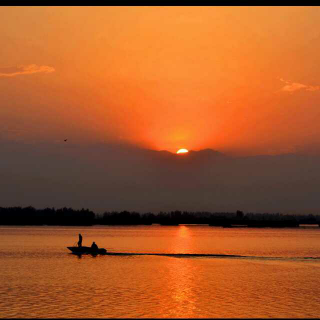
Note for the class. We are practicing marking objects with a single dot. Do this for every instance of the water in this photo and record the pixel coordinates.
(277, 275)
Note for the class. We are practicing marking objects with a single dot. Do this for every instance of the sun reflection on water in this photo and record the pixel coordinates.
(181, 287)
(180, 284)
(182, 242)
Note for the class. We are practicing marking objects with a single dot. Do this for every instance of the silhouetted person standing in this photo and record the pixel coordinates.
(94, 246)
(80, 240)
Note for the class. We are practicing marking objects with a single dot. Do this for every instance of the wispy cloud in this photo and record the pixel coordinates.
(295, 86)
(21, 70)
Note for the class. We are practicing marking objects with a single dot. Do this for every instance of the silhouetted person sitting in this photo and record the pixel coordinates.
(94, 246)
(80, 240)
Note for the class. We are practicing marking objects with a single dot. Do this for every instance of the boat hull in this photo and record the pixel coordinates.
(87, 250)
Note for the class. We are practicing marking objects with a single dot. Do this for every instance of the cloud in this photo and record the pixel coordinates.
(295, 86)
(28, 69)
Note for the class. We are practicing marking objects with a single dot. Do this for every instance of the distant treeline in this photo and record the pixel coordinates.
(85, 217)
(223, 219)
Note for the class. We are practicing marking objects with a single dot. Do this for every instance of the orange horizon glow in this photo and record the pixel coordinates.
(225, 78)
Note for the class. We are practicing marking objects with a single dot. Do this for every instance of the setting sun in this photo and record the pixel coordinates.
(182, 151)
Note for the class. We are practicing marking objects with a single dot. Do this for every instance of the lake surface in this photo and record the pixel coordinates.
(278, 275)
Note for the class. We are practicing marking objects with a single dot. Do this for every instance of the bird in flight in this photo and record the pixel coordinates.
(65, 140)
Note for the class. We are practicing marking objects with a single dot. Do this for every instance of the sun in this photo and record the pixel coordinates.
(182, 151)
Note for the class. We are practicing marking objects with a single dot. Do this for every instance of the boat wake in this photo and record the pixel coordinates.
(176, 255)
(204, 255)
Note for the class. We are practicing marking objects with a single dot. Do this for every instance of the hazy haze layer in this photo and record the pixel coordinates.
(113, 177)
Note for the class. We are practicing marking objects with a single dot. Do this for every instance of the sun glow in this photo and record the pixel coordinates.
(182, 151)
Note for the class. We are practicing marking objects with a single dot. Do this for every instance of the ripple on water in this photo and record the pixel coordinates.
(51, 283)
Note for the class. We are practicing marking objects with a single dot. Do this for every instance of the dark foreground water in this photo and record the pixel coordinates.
(263, 272)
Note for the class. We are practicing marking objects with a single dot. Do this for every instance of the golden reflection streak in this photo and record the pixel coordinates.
(181, 284)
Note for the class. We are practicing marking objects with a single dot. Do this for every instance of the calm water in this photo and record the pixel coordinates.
(279, 277)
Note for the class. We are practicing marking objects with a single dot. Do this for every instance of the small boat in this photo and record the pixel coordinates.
(87, 250)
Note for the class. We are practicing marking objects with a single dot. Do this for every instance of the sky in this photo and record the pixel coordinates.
(243, 81)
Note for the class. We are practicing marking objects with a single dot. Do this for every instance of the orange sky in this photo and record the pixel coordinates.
(241, 80)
